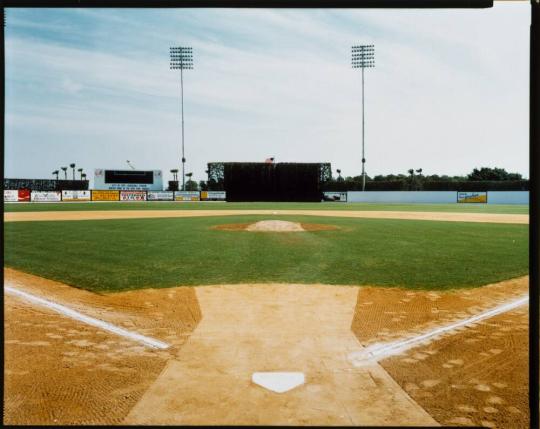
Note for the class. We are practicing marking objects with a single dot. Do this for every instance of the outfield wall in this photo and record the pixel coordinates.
(405, 197)
(433, 197)
(508, 197)
(26, 195)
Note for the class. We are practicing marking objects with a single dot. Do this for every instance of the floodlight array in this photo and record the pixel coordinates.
(363, 56)
(181, 58)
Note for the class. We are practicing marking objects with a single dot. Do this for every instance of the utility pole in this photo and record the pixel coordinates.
(363, 56)
(182, 59)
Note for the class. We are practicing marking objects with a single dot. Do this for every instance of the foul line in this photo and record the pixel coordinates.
(376, 352)
(66, 311)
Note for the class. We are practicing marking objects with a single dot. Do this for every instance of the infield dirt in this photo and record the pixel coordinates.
(219, 335)
(477, 376)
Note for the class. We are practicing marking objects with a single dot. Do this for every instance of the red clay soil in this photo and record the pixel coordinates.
(61, 371)
(58, 371)
(477, 376)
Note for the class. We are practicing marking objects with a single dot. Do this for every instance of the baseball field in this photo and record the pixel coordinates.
(161, 313)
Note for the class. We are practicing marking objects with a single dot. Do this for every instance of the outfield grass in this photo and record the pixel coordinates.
(153, 205)
(113, 255)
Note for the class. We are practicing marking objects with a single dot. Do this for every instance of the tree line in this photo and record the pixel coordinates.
(484, 178)
(414, 180)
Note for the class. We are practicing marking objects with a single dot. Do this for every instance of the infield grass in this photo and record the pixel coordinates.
(211, 205)
(114, 255)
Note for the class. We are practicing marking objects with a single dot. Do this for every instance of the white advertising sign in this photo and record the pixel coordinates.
(160, 196)
(11, 195)
(75, 195)
(45, 196)
(335, 196)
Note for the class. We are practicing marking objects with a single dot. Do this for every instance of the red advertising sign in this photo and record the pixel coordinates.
(24, 194)
(132, 195)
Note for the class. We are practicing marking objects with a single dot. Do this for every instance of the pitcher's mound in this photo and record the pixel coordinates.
(275, 226)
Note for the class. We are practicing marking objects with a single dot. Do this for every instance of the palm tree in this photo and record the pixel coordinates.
(64, 169)
(80, 170)
(174, 172)
(73, 167)
(188, 175)
(339, 174)
(83, 176)
(55, 173)
(188, 184)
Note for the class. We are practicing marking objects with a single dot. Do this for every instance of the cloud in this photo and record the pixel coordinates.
(448, 93)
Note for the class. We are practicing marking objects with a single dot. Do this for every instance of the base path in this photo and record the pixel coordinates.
(271, 328)
(136, 214)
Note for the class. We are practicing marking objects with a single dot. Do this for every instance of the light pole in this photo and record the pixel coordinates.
(182, 59)
(363, 56)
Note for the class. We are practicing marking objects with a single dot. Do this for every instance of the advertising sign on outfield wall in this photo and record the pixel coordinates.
(132, 196)
(335, 196)
(45, 196)
(75, 195)
(213, 195)
(187, 196)
(105, 195)
(160, 196)
(472, 197)
(23, 195)
(11, 196)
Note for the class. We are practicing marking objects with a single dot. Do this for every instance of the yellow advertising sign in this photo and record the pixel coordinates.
(105, 195)
(187, 196)
(472, 197)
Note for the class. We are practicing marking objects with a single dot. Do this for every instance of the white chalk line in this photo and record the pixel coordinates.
(376, 352)
(66, 311)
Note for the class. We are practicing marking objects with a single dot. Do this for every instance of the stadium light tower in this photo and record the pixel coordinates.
(182, 59)
(363, 56)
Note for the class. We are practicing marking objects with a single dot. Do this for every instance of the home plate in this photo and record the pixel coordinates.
(278, 382)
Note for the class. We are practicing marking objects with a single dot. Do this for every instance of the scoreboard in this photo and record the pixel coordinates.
(149, 180)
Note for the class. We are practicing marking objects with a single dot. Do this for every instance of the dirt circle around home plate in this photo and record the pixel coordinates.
(275, 226)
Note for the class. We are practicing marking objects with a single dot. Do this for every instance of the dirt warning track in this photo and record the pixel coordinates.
(144, 214)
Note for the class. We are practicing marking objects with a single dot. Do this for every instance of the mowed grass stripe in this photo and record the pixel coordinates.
(153, 205)
(114, 255)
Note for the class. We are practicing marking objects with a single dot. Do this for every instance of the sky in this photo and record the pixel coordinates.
(449, 91)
